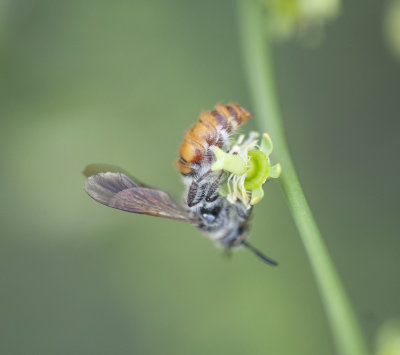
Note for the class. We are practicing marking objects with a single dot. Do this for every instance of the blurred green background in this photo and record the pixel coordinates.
(119, 82)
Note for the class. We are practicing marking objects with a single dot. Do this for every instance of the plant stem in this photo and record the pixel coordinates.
(345, 328)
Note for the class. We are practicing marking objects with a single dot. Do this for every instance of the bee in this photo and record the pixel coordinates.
(226, 223)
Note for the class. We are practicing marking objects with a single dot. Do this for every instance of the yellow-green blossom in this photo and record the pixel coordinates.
(299, 18)
(392, 26)
(248, 167)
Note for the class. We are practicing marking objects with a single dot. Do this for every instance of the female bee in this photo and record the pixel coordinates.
(226, 222)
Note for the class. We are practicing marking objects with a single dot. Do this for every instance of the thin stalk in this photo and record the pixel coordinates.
(258, 63)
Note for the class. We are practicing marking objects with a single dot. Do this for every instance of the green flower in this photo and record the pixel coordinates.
(303, 19)
(392, 26)
(388, 339)
(247, 167)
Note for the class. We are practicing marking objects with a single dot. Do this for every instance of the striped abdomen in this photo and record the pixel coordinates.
(211, 129)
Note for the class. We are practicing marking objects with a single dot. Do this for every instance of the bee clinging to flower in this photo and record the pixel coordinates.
(223, 178)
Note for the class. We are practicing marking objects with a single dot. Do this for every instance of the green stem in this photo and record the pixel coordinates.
(345, 328)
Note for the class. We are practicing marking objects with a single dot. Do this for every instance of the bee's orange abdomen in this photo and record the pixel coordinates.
(203, 132)
(211, 129)
(240, 114)
(191, 150)
(210, 120)
(221, 111)
(183, 167)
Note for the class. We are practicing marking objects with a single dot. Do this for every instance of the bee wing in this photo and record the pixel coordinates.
(117, 190)
(94, 169)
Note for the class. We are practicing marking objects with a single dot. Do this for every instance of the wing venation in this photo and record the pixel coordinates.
(117, 190)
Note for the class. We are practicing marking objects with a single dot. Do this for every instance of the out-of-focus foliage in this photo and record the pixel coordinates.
(388, 341)
(303, 19)
(392, 26)
(119, 82)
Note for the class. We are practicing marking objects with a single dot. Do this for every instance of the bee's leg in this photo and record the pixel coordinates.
(196, 193)
(202, 177)
(212, 193)
(197, 189)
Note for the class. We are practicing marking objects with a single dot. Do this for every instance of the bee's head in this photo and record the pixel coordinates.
(210, 215)
(228, 226)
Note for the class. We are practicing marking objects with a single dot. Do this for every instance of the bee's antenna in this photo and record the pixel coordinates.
(259, 254)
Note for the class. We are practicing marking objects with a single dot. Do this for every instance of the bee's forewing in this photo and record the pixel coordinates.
(94, 169)
(117, 190)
